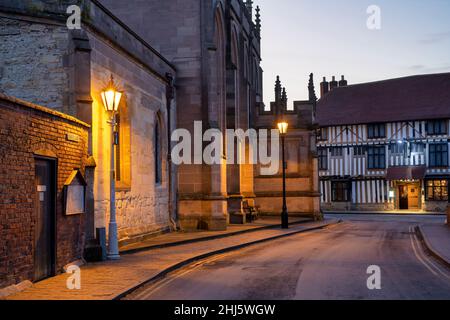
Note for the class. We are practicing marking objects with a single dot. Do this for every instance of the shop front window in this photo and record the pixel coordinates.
(437, 190)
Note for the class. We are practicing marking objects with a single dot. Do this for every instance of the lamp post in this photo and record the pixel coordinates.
(111, 99)
(282, 127)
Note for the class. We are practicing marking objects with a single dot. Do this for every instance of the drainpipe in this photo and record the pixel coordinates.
(170, 94)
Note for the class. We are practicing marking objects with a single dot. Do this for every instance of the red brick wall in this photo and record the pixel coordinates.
(24, 131)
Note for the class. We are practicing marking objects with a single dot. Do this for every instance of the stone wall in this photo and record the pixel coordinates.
(427, 206)
(215, 48)
(66, 70)
(435, 206)
(32, 63)
(302, 179)
(27, 131)
(141, 204)
(348, 206)
(174, 29)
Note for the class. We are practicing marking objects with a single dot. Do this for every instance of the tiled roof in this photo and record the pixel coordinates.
(419, 97)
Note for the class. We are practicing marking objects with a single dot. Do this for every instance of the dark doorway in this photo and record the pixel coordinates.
(403, 197)
(45, 248)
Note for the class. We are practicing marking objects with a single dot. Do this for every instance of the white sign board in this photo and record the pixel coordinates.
(75, 199)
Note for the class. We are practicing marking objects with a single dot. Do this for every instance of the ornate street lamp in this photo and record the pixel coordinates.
(111, 100)
(283, 127)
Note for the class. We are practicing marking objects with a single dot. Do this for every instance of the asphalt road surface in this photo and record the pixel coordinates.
(325, 264)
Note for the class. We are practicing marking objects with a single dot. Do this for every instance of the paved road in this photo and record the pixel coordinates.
(326, 264)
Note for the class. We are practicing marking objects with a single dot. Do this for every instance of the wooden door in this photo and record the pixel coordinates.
(413, 196)
(44, 249)
(403, 197)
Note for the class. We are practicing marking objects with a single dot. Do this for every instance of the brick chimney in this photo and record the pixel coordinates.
(324, 87)
(333, 83)
(343, 82)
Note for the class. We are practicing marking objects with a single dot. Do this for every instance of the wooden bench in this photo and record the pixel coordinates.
(250, 211)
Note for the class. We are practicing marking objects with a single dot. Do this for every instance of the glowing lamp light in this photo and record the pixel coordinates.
(283, 127)
(111, 97)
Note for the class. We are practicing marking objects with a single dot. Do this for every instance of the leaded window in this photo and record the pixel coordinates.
(376, 131)
(437, 190)
(376, 157)
(438, 155)
(340, 191)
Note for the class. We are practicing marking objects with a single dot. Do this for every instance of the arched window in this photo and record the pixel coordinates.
(246, 62)
(219, 72)
(157, 144)
(233, 111)
(123, 147)
(118, 147)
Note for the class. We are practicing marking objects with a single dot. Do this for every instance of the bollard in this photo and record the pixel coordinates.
(101, 239)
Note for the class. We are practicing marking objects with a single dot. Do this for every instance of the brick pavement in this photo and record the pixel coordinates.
(106, 280)
(174, 238)
(437, 239)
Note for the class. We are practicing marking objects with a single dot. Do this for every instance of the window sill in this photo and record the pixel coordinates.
(122, 187)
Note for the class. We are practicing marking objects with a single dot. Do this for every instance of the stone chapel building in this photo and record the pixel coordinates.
(216, 48)
(51, 72)
(302, 178)
(181, 64)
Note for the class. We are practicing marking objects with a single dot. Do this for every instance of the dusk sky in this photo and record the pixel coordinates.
(329, 37)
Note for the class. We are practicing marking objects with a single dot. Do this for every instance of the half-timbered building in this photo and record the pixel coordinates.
(384, 145)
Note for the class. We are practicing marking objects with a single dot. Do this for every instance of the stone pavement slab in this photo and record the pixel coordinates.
(437, 239)
(177, 238)
(108, 280)
(395, 212)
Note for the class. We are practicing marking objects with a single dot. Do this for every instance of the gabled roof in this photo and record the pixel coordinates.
(75, 174)
(421, 97)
